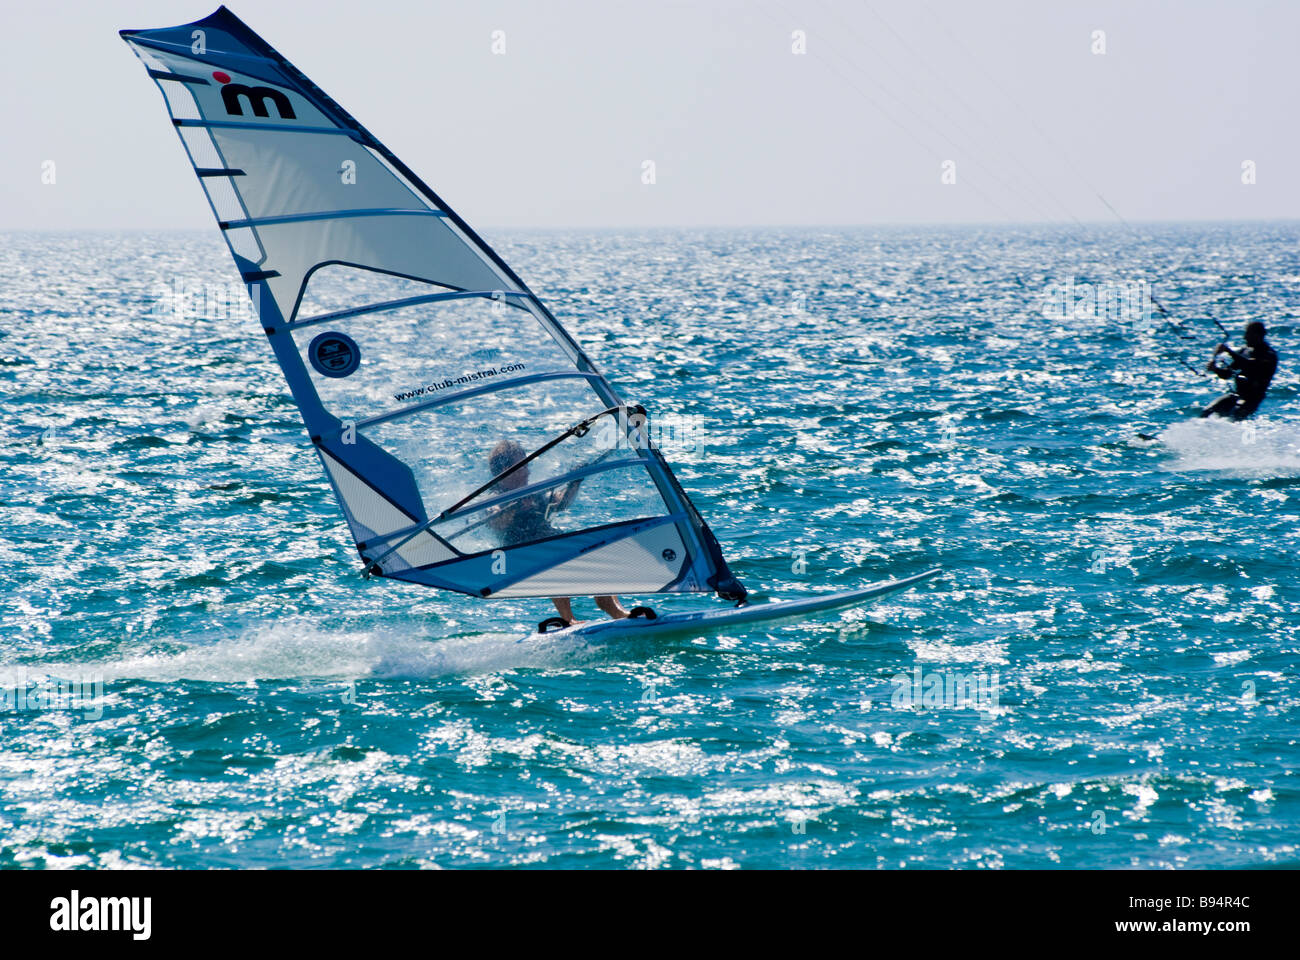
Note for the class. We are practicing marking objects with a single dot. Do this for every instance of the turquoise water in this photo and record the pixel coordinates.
(870, 403)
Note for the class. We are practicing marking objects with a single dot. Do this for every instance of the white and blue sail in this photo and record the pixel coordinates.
(471, 443)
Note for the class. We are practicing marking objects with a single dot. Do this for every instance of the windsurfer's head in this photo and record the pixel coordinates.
(1255, 333)
(504, 456)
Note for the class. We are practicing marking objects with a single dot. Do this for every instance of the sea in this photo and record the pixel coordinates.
(194, 674)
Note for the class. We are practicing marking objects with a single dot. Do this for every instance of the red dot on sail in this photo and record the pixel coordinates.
(220, 77)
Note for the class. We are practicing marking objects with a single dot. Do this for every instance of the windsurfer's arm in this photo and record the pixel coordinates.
(1221, 372)
(500, 518)
(561, 499)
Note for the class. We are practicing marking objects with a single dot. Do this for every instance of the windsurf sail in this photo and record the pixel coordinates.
(471, 443)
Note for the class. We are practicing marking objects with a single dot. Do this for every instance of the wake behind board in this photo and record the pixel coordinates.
(706, 621)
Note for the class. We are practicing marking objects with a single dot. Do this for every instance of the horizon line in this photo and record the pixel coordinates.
(890, 224)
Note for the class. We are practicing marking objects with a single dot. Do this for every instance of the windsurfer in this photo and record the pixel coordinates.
(529, 518)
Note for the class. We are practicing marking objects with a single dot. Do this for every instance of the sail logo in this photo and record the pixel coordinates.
(334, 355)
(258, 97)
(463, 378)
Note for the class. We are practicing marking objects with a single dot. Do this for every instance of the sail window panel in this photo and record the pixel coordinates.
(419, 353)
(296, 173)
(625, 492)
(605, 444)
(337, 286)
(448, 447)
(419, 247)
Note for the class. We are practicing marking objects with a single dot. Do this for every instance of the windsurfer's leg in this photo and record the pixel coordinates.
(1244, 410)
(1222, 407)
(565, 606)
(612, 607)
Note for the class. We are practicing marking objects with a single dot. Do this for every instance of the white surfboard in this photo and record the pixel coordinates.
(706, 621)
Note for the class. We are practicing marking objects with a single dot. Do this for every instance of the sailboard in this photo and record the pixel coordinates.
(471, 443)
(699, 622)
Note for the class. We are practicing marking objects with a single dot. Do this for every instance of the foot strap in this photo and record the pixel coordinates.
(552, 623)
(642, 612)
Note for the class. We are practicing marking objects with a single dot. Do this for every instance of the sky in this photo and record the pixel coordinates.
(1010, 98)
